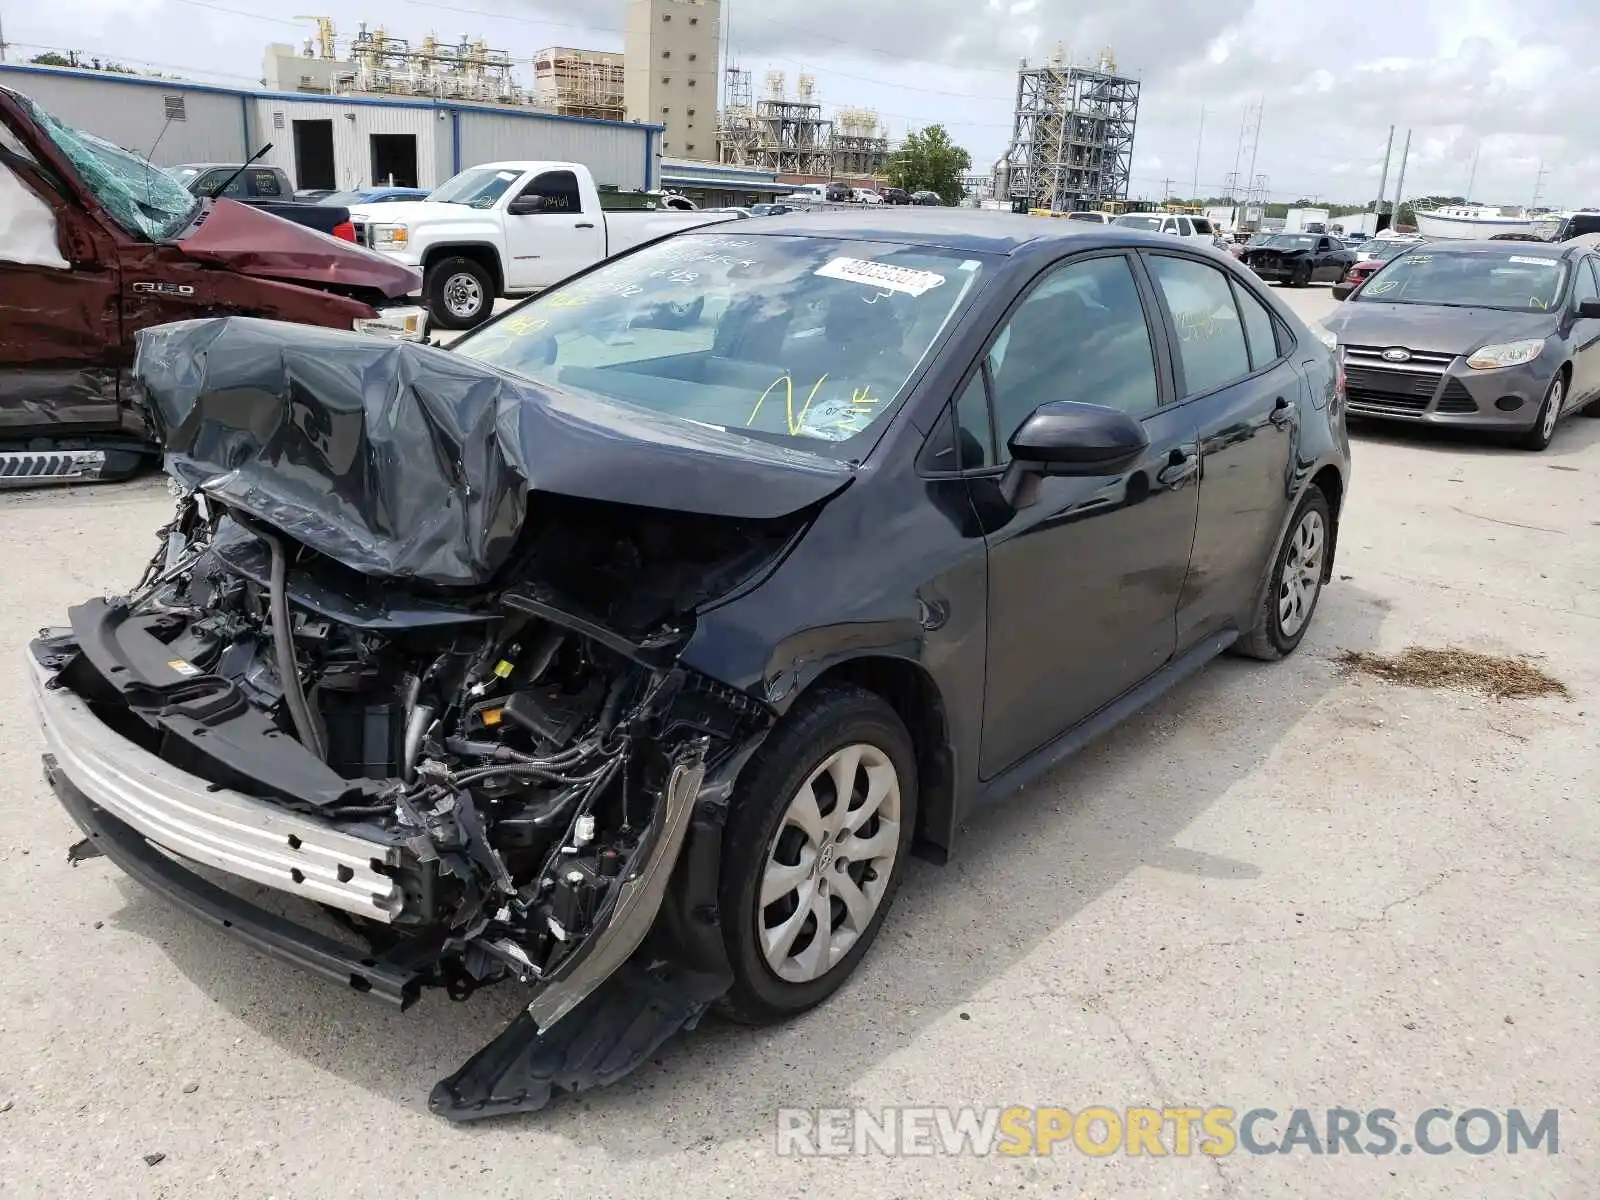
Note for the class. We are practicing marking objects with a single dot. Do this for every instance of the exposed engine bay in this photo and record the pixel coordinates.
(526, 758)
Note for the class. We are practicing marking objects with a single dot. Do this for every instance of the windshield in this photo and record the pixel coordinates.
(477, 188)
(1290, 241)
(1138, 222)
(141, 197)
(182, 174)
(795, 340)
(1383, 250)
(1512, 282)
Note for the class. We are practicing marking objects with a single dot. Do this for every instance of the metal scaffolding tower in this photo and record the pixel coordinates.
(1072, 137)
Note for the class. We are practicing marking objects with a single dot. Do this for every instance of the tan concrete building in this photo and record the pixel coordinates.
(670, 54)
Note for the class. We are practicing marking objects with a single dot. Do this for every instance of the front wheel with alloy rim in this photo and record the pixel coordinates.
(1296, 584)
(1544, 427)
(816, 844)
(460, 293)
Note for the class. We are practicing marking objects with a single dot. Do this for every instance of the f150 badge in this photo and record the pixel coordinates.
(164, 289)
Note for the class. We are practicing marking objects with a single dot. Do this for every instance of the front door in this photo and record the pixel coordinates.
(1585, 331)
(60, 321)
(558, 240)
(1237, 379)
(1084, 583)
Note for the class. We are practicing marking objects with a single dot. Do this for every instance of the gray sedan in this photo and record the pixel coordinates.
(1498, 335)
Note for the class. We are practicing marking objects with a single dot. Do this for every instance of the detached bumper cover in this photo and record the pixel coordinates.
(205, 824)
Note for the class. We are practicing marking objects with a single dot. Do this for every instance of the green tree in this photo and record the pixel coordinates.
(929, 160)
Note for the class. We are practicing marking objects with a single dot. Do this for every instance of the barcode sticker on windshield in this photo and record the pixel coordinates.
(1534, 262)
(884, 276)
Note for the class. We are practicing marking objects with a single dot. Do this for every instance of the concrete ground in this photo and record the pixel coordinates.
(1279, 887)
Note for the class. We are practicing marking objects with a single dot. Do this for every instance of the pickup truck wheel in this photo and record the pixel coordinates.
(815, 848)
(460, 293)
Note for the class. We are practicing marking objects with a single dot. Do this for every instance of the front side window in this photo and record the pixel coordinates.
(558, 190)
(141, 197)
(1584, 286)
(807, 341)
(1211, 345)
(1080, 335)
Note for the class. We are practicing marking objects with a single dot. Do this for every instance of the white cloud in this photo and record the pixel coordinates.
(1516, 79)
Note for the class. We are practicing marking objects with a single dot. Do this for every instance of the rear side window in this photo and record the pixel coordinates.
(1202, 226)
(1259, 328)
(264, 183)
(1211, 342)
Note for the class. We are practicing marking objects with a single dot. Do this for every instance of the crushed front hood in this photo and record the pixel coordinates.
(258, 243)
(402, 460)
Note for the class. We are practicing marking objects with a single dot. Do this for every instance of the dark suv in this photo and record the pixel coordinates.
(894, 195)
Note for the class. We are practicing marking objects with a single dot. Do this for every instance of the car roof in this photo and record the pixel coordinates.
(978, 230)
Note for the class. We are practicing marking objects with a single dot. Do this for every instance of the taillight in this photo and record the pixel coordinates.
(345, 231)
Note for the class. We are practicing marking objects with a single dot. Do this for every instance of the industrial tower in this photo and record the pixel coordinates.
(1072, 136)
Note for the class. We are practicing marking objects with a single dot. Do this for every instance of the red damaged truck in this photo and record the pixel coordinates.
(96, 244)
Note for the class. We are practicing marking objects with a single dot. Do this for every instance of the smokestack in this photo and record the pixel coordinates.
(1399, 187)
(1383, 179)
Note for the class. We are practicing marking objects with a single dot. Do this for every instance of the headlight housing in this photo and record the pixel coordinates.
(1506, 354)
(389, 237)
(404, 323)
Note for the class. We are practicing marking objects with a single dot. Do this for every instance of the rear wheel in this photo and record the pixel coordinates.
(1544, 425)
(1296, 584)
(460, 293)
(816, 847)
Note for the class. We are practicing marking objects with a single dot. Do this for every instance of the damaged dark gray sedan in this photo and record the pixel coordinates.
(626, 652)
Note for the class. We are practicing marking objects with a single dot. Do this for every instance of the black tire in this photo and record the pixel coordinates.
(832, 718)
(1543, 430)
(1267, 640)
(445, 288)
(1301, 277)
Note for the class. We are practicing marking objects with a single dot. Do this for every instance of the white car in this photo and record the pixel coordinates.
(508, 228)
(1093, 217)
(1186, 228)
(868, 197)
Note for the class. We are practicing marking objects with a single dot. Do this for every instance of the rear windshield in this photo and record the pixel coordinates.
(1135, 221)
(1385, 249)
(1511, 281)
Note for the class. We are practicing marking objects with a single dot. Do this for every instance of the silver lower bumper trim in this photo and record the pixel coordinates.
(231, 832)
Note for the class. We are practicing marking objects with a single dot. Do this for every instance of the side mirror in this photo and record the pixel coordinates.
(1066, 438)
(1589, 308)
(523, 205)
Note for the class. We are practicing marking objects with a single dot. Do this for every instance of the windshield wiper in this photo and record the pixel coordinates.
(228, 182)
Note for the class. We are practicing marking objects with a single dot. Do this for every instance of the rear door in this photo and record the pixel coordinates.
(1084, 583)
(60, 318)
(1237, 381)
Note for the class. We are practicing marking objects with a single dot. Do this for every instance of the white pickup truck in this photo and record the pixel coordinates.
(510, 227)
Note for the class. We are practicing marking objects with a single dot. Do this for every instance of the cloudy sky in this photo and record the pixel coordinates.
(1517, 83)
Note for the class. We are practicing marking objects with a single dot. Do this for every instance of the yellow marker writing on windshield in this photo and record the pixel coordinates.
(524, 325)
(861, 397)
(568, 301)
(791, 419)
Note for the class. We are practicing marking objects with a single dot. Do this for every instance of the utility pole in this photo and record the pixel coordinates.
(1244, 125)
(1383, 178)
(1472, 177)
(1194, 188)
(1255, 146)
(1538, 184)
(1400, 183)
